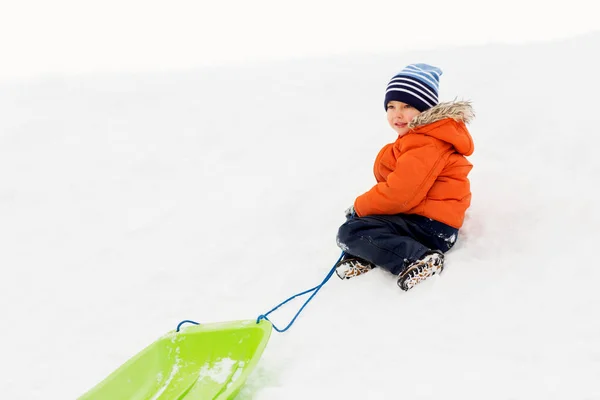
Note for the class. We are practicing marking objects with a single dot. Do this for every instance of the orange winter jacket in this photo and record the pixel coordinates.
(425, 171)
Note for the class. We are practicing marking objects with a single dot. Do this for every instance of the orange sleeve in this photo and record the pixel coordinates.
(416, 170)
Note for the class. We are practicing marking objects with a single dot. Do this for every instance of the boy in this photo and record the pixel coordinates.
(410, 218)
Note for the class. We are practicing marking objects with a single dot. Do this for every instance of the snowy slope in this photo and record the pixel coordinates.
(131, 202)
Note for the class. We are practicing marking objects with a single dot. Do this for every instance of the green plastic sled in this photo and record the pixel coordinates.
(207, 361)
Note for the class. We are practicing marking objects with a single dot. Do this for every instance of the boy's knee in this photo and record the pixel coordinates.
(343, 233)
(348, 234)
(352, 232)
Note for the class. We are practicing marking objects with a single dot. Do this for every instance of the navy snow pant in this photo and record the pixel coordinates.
(394, 241)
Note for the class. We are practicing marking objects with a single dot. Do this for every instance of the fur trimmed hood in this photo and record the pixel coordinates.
(447, 122)
(460, 111)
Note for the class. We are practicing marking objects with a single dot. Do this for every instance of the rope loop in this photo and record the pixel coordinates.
(187, 321)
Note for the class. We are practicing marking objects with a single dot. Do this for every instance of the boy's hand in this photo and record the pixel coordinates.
(350, 213)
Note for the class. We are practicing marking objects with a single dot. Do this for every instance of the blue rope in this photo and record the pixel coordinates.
(315, 290)
(186, 321)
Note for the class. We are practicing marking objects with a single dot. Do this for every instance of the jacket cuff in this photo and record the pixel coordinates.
(356, 209)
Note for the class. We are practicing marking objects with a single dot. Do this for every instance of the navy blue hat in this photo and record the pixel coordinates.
(416, 85)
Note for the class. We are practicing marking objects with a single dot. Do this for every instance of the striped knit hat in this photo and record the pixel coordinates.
(416, 85)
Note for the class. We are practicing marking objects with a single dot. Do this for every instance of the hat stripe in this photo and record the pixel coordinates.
(412, 94)
(430, 70)
(411, 83)
(422, 77)
(399, 78)
(414, 90)
(429, 74)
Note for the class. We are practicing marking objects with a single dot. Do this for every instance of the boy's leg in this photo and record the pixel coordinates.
(388, 241)
(439, 238)
(433, 234)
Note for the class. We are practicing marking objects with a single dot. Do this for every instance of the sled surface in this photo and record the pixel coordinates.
(207, 361)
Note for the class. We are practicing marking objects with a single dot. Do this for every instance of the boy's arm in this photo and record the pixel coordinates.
(379, 168)
(416, 171)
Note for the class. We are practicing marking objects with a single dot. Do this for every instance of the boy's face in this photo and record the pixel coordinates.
(399, 115)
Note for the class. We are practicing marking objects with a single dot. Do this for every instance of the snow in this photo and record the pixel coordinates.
(165, 385)
(130, 202)
(220, 370)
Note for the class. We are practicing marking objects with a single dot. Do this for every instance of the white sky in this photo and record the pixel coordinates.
(68, 36)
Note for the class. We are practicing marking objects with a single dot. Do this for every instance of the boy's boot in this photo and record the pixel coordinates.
(351, 266)
(430, 264)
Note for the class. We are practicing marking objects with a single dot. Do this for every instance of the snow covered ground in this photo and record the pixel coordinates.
(131, 202)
